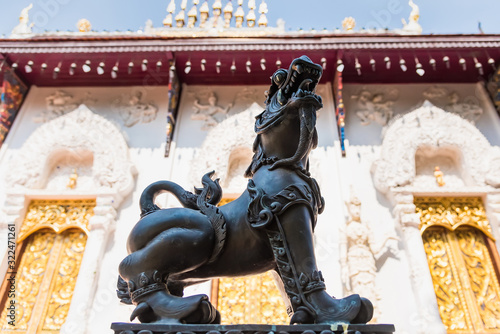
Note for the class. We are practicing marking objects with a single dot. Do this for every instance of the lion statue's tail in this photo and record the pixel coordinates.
(211, 193)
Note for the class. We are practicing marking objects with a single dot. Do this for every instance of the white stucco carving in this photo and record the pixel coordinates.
(467, 107)
(133, 110)
(435, 129)
(60, 103)
(359, 252)
(375, 106)
(221, 146)
(211, 114)
(80, 134)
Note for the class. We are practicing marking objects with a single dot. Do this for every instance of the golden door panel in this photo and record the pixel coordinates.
(456, 237)
(54, 237)
(251, 300)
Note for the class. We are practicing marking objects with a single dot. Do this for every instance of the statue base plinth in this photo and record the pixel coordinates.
(132, 328)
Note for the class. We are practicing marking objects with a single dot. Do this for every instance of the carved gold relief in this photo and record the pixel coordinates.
(451, 302)
(49, 265)
(452, 212)
(29, 278)
(251, 300)
(64, 280)
(455, 235)
(57, 215)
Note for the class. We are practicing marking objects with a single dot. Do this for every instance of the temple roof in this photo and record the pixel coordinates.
(219, 49)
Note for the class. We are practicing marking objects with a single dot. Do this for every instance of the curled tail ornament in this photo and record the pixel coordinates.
(211, 193)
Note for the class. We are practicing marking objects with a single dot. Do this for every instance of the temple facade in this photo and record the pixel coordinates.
(408, 162)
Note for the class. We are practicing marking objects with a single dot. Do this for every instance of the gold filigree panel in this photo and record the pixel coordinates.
(482, 277)
(463, 273)
(251, 300)
(452, 212)
(49, 266)
(64, 280)
(449, 292)
(57, 215)
(29, 278)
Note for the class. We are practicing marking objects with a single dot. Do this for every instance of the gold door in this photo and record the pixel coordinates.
(461, 254)
(52, 238)
(249, 300)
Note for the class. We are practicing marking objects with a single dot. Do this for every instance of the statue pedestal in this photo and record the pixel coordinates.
(133, 328)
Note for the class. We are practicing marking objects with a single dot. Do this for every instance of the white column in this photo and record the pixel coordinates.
(428, 319)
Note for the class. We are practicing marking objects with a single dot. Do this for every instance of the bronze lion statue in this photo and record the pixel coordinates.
(269, 227)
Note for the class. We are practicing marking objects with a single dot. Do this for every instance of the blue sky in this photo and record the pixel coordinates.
(436, 16)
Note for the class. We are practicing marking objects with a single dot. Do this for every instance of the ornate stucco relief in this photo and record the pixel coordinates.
(60, 103)
(375, 107)
(225, 149)
(211, 113)
(466, 107)
(133, 110)
(435, 129)
(359, 251)
(79, 137)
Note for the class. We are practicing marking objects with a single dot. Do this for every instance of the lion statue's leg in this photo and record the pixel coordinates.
(292, 242)
(162, 243)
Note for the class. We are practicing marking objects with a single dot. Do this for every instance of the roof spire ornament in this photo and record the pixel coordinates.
(216, 10)
(83, 25)
(228, 14)
(193, 15)
(239, 14)
(204, 13)
(167, 22)
(24, 27)
(180, 18)
(263, 11)
(251, 14)
(412, 27)
(348, 24)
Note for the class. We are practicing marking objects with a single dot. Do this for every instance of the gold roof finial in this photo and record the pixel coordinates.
(263, 11)
(167, 22)
(239, 14)
(193, 15)
(83, 25)
(251, 14)
(348, 23)
(204, 13)
(228, 14)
